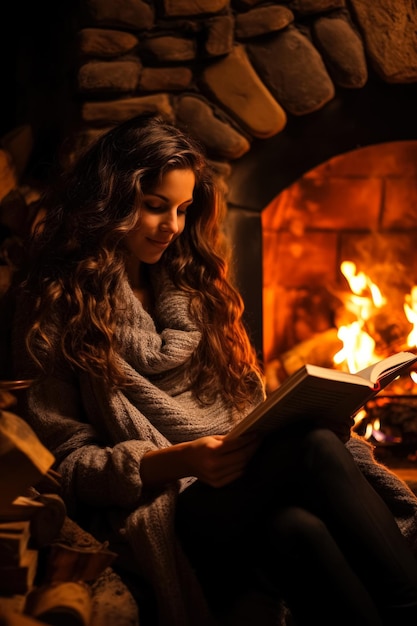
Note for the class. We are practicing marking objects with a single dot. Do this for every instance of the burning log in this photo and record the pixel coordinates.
(317, 350)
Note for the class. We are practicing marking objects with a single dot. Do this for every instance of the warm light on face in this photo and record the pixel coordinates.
(162, 215)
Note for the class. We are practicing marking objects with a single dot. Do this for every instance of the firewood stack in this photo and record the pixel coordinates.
(51, 570)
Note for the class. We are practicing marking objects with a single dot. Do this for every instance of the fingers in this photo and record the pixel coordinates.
(218, 462)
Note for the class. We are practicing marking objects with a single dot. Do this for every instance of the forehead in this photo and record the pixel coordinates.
(175, 182)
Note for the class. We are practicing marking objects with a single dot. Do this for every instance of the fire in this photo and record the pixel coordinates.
(358, 346)
(410, 309)
(358, 349)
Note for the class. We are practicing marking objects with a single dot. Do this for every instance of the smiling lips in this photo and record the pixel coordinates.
(160, 244)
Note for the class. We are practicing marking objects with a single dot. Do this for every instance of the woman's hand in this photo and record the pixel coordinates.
(217, 461)
(214, 460)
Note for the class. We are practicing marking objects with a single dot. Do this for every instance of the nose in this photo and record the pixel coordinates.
(169, 223)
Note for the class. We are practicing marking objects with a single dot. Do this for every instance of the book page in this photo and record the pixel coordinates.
(340, 375)
(393, 364)
(315, 392)
(313, 398)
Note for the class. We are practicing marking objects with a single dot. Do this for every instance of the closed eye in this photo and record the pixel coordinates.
(152, 208)
(182, 210)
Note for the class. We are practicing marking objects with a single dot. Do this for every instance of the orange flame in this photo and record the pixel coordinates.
(410, 309)
(358, 346)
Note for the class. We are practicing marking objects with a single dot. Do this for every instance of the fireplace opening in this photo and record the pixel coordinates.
(339, 269)
(358, 208)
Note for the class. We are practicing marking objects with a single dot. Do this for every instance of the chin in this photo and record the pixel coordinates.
(152, 259)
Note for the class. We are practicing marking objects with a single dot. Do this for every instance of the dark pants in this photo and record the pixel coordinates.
(304, 519)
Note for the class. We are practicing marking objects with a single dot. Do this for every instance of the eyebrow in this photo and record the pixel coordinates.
(165, 199)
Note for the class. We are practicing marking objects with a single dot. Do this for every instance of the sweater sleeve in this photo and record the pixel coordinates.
(393, 490)
(92, 471)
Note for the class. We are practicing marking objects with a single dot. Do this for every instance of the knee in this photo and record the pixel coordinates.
(321, 446)
(295, 529)
(327, 464)
(321, 439)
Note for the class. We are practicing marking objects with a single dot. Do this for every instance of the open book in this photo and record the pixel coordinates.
(323, 393)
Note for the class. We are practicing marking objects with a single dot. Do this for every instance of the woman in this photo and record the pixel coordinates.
(134, 332)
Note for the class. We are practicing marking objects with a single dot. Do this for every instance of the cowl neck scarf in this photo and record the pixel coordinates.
(154, 353)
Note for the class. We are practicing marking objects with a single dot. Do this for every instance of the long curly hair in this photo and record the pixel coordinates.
(77, 261)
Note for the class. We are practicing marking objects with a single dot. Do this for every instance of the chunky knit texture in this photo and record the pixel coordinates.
(395, 492)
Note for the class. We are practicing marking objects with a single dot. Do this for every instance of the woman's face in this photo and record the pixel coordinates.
(161, 216)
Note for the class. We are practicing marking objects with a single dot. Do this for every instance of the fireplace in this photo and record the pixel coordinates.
(352, 133)
(337, 185)
(358, 207)
(339, 273)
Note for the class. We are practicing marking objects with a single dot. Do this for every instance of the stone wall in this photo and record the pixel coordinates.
(234, 71)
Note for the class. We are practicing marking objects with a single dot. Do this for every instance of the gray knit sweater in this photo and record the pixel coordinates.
(99, 438)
